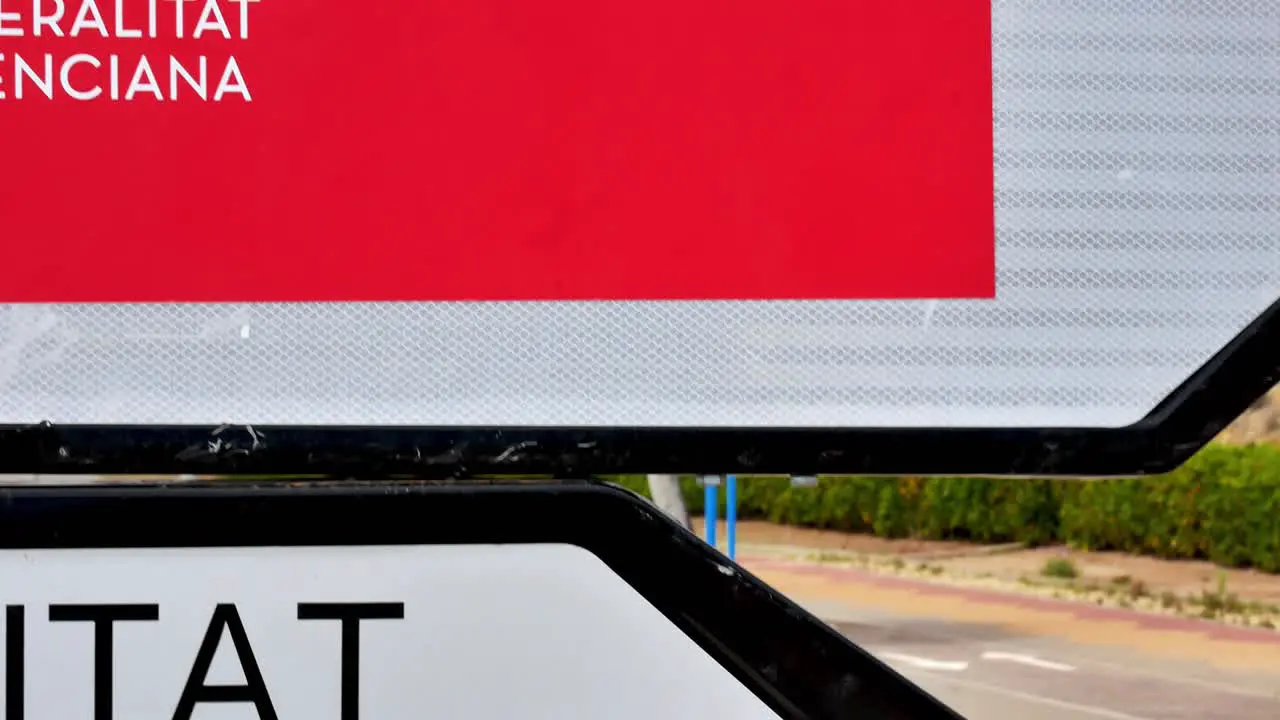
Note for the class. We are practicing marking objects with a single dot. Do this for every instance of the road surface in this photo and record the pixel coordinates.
(995, 661)
(985, 673)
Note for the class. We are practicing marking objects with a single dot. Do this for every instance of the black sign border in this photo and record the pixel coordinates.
(1171, 433)
(798, 665)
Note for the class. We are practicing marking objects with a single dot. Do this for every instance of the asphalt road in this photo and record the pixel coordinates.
(988, 673)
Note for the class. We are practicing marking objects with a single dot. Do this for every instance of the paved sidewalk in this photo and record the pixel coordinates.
(1007, 563)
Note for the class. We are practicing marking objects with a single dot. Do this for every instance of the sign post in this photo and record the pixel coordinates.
(710, 498)
(731, 514)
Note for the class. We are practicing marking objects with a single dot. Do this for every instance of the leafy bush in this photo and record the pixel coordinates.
(1061, 568)
(1222, 505)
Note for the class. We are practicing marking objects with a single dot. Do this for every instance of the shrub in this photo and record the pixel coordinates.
(1222, 505)
(1059, 568)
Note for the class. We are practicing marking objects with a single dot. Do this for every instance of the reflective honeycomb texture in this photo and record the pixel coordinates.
(1138, 213)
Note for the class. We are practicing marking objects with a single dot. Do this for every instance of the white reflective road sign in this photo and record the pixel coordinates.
(341, 633)
(1137, 212)
(402, 601)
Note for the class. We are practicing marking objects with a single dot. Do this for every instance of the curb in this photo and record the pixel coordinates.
(977, 551)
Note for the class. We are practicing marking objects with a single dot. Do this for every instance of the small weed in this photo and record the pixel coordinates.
(1266, 623)
(1060, 568)
(1219, 602)
(1211, 604)
(935, 569)
(898, 563)
(1122, 580)
(1169, 601)
(1138, 589)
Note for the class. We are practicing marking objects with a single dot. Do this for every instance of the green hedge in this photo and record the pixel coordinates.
(1223, 505)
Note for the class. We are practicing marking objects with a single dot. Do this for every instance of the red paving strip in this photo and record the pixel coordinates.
(1084, 611)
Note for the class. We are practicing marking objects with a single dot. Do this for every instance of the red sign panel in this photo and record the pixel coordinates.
(275, 150)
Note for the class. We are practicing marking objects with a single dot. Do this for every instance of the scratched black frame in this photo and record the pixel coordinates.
(796, 664)
(1171, 433)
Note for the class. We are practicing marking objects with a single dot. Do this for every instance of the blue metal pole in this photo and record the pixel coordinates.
(710, 499)
(731, 514)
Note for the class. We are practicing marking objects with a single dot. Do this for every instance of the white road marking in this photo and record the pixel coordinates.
(926, 663)
(1031, 660)
(1089, 658)
(1039, 699)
